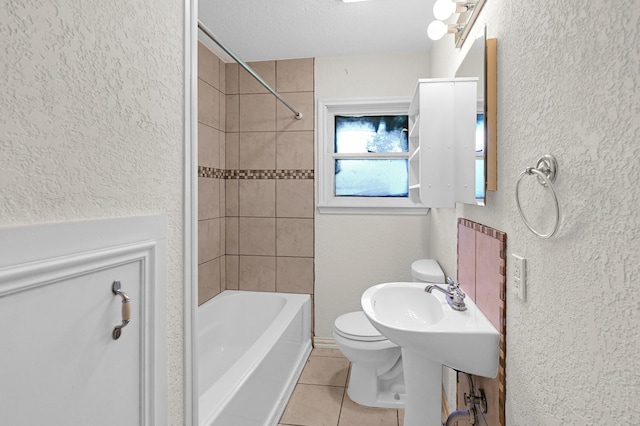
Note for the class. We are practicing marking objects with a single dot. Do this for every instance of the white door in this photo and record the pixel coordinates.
(59, 361)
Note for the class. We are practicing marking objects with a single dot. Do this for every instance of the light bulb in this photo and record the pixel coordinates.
(443, 9)
(436, 30)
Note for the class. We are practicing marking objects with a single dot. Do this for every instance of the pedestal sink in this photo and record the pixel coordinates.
(431, 335)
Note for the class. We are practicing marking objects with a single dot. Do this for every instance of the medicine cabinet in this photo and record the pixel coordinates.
(442, 151)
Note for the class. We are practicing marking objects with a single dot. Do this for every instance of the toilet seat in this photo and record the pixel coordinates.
(356, 326)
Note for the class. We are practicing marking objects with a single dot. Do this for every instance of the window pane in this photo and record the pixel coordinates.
(371, 134)
(480, 178)
(479, 132)
(371, 178)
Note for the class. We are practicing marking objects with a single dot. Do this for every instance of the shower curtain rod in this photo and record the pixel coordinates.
(209, 34)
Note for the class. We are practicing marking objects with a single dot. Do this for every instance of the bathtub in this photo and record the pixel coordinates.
(252, 347)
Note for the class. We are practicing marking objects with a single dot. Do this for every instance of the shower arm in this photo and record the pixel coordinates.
(209, 34)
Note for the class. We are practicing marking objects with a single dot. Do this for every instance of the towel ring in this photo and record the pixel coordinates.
(545, 171)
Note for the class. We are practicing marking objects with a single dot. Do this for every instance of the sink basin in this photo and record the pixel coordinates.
(414, 319)
(431, 334)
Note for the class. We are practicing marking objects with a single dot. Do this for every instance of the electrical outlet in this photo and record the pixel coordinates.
(519, 276)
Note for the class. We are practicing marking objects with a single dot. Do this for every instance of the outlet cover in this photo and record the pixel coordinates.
(519, 276)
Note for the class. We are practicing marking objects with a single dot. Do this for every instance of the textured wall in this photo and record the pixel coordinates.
(568, 84)
(91, 120)
(354, 252)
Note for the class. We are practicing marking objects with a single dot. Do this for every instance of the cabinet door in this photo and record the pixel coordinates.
(464, 141)
(59, 362)
(442, 166)
(437, 172)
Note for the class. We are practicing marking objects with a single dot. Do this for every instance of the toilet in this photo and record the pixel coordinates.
(376, 378)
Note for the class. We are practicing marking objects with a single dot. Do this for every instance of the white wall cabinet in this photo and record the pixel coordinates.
(442, 127)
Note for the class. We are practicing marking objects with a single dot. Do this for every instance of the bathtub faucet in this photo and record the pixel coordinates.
(454, 296)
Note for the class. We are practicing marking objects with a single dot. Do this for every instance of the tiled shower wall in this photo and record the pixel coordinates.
(211, 171)
(258, 164)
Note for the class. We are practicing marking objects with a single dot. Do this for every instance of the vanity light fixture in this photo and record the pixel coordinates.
(437, 29)
(444, 9)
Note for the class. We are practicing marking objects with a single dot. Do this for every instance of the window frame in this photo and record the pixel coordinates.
(328, 202)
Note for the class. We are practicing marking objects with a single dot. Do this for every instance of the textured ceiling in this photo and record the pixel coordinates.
(258, 30)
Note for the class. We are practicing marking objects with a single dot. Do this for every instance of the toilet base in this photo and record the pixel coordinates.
(385, 391)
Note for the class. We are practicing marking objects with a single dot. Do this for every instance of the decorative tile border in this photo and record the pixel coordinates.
(210, 172)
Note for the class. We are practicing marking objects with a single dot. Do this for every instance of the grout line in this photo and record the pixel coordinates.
(344, 393)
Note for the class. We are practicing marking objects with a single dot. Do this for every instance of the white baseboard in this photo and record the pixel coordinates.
(324, 343)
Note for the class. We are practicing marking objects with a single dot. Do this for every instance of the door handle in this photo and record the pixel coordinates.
(126, 309)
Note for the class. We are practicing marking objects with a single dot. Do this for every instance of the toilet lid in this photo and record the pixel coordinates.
(356, 326)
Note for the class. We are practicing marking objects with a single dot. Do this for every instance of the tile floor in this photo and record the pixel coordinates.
(320, 397)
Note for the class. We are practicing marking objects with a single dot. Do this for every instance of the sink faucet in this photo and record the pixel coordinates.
(454, 296)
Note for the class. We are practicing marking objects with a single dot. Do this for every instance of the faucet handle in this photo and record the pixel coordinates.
(452, 284)
(457, 300)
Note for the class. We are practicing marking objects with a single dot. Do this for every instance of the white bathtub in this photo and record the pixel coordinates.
(252, 348)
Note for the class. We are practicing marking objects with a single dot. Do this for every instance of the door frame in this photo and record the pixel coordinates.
(190, 342)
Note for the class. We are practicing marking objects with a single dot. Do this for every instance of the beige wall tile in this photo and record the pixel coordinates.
(258, 113)
(295, 198)
(208, 105)
(232, 201)
(295, 237)
(223, 77)
(223, 150)
(231, 235)
(232, 269)
(232, 79)
(294, 75)
(208, 66)
(223, 272)
(257, 197)
(294, 274)
(257, 273)
(208, 280)
(257, 236)
(208, 146)
(208, 198)
(223, 112)
(222, 242)
(232, 122)
(301, 102)
(222, 199)
(208, 240)
(257, 150)
(294, 150)
(232, 151)
(266, 70)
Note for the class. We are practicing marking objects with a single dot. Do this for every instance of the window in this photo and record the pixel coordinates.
(362, 157)
(480, 173)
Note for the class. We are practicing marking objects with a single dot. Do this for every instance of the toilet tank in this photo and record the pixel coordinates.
(427, 270)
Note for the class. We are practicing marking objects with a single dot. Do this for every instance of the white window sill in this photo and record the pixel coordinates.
(410, 210)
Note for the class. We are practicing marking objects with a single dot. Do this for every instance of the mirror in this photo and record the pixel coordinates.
(480, 61)
(473, 65)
